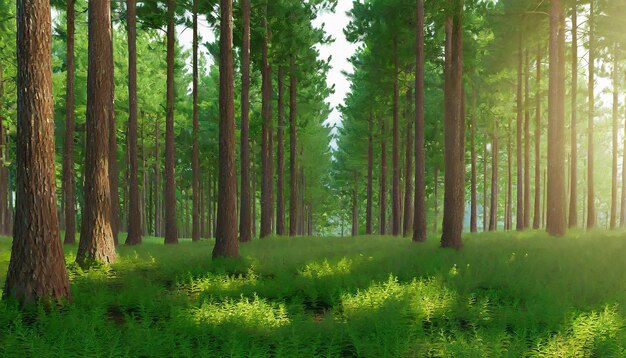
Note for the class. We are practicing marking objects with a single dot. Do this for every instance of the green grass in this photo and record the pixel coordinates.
(504, 294)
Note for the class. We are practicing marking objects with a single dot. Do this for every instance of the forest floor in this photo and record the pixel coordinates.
(504, 294)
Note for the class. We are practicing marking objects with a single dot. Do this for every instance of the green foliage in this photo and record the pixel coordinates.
(505, 295)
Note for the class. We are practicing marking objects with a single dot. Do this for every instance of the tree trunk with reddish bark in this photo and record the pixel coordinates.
(267, 175)
(96, 237)
(419, 211)
(69, 186)
(226, 243)
(407, 223)
(245, 225)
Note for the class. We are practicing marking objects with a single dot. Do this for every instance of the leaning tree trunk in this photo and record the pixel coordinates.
(171, 231)
(555, 216)
(37, 267)
(134, 216)
(526, 141)
(519, 211)
(573, 199)
(293, 163)
(591, 203)
(370, 169)
(419, 210)
(226, 244)
(195, 160)
(280, 160)
(96, 236)
(245, 225)
(537, 211)
(69, 187)
(454, 137)
(267, 175)
(407, 224)
(613, 220)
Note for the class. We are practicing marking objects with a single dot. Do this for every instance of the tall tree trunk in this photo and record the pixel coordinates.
(436, 206)
(245, 225)
(622, 221)
(526, 140)
(473, 205)
(573, 199)
(419, 211)
(555, 220)
(195, 160)
(211, 203)
(280, 160)
(454, 138)
(37, 267)
(4, 187)
(226, 243)
(293, 164)
(96, 237)
(382, 205)
(370, 169)
(537, 211)
(493, 207)
(254, 184)
(355, 208)
(157, 161)
(113, 168)
(519, 211)
(69, 198)
(508, 221)
(171, 231)
(613, 220)
(134, 216)
(485, 223)
(591, 197)
(144, 178)
(267, 182)
(407, 224)
(395, 154)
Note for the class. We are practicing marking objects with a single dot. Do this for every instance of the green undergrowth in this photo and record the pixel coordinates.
(504, 294)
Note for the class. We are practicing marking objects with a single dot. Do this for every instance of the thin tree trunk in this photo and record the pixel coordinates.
(293, 206)
(157, 160)
(267, 184)
(485, 223)
(254, 184)
(134, 216)
(613, 221)
(195, 153)
(355, 209)
(493, 208)
(407, 224)
(436, 206)
(473, 199)
(591, 204)
(519, 211)
(555, 220)
(69, 198)
(144, 178)
(573, 199)
(370, 169)
(171, 231)
(537, 211)
(419, 212)
(395, 153)
(226, 244)
(96, 237)
(4, 187)
(382, 206)
(280, 160)
(508, 221)
(526, 140)
(37, 267)
(211, 204)
(245, 225)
